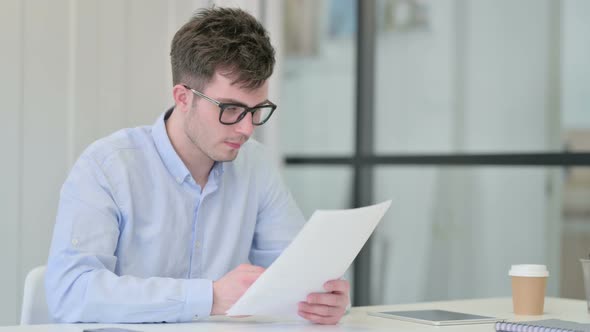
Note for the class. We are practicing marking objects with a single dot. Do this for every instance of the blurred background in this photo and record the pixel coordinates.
(425, 77)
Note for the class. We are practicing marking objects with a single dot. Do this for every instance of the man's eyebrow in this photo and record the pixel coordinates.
(233, 101)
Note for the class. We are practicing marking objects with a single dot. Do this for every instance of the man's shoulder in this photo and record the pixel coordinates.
(123, 141)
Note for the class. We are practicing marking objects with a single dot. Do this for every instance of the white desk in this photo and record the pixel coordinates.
(357, 320)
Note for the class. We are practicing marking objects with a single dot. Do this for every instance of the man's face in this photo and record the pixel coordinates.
(217, 141)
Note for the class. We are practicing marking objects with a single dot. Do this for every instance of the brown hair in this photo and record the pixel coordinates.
(228, 39)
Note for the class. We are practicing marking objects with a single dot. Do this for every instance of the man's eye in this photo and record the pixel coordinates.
(234, 109)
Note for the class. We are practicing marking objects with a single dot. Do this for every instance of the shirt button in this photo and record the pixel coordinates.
(75, 242)
(197, 244)
(178, 179)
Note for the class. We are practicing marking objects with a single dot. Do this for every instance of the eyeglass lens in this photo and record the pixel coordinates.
(233, 114)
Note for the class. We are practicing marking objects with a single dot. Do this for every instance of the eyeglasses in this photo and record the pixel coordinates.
(230, 113)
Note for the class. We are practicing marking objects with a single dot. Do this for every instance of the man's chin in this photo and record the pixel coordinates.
(227, 157)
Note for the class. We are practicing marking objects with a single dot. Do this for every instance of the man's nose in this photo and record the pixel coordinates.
(245, 126)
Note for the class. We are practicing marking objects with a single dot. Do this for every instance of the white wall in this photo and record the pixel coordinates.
(72, 72)
(10, 143)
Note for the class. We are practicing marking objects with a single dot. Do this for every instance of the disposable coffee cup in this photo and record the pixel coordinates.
(528, 288)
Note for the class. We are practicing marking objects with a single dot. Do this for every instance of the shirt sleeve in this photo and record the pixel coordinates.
(81, 283)
(279, 218)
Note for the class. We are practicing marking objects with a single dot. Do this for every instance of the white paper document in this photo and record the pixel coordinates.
(322, 251)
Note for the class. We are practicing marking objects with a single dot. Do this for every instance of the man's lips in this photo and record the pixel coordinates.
(233, 145)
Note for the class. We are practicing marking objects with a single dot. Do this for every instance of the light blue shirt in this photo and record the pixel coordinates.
(137, 240)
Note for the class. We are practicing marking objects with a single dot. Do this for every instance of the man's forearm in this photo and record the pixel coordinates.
(98, 295)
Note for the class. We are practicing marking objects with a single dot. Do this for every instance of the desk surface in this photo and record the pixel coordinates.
(356, 320)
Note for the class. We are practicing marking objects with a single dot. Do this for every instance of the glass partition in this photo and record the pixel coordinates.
(318, 98)
(453, 232)
(317, 187)
(451, 77)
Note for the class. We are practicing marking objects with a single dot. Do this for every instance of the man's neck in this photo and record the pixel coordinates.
(198, 163)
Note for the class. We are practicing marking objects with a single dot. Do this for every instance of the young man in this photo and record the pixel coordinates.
(175, 221)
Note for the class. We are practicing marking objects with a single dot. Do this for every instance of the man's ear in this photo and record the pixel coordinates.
(183, 97)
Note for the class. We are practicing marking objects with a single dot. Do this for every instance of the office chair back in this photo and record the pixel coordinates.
(34, 310)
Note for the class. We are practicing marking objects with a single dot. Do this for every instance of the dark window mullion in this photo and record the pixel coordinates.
(496, 159)
(363, 173)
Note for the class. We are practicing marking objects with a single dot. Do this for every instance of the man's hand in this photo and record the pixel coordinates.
(329, 307)
(228, 289)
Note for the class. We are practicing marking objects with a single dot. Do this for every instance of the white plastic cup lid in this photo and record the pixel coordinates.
(528, 270)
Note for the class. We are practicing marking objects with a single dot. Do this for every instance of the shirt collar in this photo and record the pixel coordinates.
(165, 149)
(218, 168)
(173, 163)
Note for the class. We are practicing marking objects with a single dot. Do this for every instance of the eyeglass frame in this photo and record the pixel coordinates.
(223, 106)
